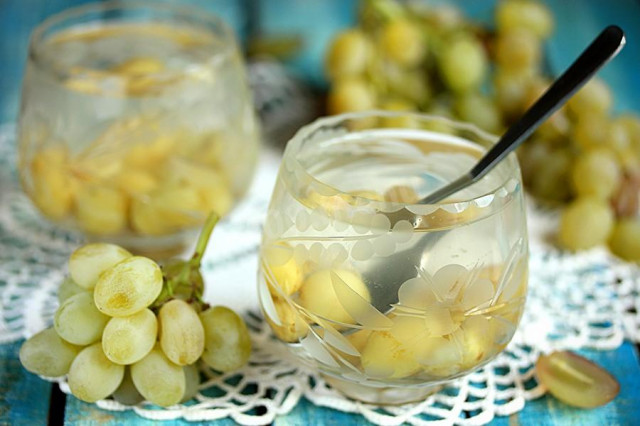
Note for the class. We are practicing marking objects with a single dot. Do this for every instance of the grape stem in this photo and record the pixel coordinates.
(203, 239)
(186, 274)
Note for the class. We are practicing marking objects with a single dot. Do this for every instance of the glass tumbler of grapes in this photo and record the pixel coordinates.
(136, 123)
(387, 297)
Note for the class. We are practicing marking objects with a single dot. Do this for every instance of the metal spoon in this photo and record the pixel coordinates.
(599, 52)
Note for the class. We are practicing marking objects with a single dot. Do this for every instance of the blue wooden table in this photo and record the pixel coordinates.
(25, 399)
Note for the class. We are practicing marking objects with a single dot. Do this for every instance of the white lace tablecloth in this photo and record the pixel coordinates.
(588, 300)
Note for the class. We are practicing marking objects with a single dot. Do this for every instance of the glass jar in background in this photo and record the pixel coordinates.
(136, 122)
(388, 297)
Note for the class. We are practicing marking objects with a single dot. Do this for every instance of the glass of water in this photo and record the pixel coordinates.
(136, 123)
(389, 298)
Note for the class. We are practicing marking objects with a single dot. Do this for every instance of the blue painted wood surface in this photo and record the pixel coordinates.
(624, 410)
(24, 397)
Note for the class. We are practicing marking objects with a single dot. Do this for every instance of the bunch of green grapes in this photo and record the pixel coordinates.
(127, 329)
(409, 57)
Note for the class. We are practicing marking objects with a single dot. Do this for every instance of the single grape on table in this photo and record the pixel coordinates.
(130, 329)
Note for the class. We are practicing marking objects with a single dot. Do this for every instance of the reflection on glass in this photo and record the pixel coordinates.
(385, 296)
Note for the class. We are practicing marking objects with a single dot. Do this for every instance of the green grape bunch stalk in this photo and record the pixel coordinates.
(133, 330)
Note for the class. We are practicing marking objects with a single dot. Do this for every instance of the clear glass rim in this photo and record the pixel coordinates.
(178, 10)
(294, 146)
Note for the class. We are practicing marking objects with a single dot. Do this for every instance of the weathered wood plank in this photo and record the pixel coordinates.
(24, 397)
(82, 413)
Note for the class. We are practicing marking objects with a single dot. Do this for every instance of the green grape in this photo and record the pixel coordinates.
(479, 110)
(399, 121)
(625, 239)
(532, 156)
(89, 261)
(158, 379)
(47, 354)
(596, 173)
(618, 137)
(348, 55)
(517, 49)
(67, 289)
(100, 210)
(126, 340)
(227, 345)
(586, 222)
(128, 287)
(575, 380)
(551, 181)
(442, 18)
(594, 97)
(463, 64)
(181, 332)
(92, 376)
(529, 15)
(412, 86)
(192, 380)
(630, 156)
(127, 393)
(403, 42)
(632, 125)
(78, 321)
(511, 90)
(350, 95)
(590, 131)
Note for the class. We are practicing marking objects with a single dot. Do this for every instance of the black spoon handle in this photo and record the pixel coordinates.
(600, 51)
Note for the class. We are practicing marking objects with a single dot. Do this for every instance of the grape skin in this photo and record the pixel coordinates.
(575, 380)
(67, 289)
(158, 379)
(89, 261)
(350, 95)
(348, 55)
(318, 296)
(192, 382)
(529, 15)
(78, 321)
(92, 376)
(127, 393)
(479, 110)
(46, 354)
(593, 97)
(625, 239)
(463, 64)
(590, 130)
(517, 50)
(227, 342)
(586, 222)
(403, 43)
(101, 210)
(126, 340)
(128, 287)
(53, 188)
(181, 332)
(596, 173)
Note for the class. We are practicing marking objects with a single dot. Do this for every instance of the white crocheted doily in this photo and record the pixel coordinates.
(575, 301)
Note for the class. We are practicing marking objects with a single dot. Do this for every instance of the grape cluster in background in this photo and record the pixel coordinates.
(129, 329)
(416, 57)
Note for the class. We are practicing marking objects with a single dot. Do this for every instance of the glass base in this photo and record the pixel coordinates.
(382, 395)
